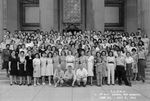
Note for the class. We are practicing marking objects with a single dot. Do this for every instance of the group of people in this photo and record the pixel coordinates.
(74, 58)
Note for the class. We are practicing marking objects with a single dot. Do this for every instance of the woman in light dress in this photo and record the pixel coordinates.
(43, 67)
(56, 60)
(70, 59)
(76, 61)
(63, 60)
(105, 74)
(83, 59)
(90, 66)
(49, 67)
(36, 69)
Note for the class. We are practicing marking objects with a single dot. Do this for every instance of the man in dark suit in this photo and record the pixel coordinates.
(5, 58)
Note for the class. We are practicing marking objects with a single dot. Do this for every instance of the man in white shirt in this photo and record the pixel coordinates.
(81, 75)
(120, 69)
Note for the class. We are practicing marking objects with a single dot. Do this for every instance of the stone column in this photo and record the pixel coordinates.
(1, 20)
(12, 15)
(145, 16)
(56, 8)
(5, 14)
(89, 15)
(131, 16)
(139, 14)
(46, 15)
(98, 15)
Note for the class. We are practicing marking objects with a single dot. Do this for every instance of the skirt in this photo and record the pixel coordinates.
(5, 64)
(63, 66)
(49, 70)
(43, 70)
(129, 69)
(135, 69)
(21, 70)
(29, 70)
(37, 71)
(141, 67)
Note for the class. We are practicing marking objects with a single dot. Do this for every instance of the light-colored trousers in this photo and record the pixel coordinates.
(111, 72)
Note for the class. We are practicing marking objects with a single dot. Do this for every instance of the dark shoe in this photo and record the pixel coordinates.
(84, 85)
(113, 84)
(108, 84)
(20, 84)
(91, 84)
(129, 85)
(138, 79)
(7, 75)
(15, 83)
(79, 85)
(24, 84)
(143, 80)
(11, 84)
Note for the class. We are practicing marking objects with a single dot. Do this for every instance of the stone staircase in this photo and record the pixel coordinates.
(147, 70)
(5, 80)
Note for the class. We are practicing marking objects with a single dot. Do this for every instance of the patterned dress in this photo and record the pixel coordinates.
(90, 65)
(76, 63)
(49, 67)
(135, 58)
(37, 68)
(63, 63)
(56, 62)
(83, 60)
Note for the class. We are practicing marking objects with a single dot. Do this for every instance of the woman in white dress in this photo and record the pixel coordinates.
(49, 67)
(36, 69)
(43, 67)
(90, 66)
(70, 59)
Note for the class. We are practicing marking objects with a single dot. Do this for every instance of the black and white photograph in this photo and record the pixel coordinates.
(74, 50)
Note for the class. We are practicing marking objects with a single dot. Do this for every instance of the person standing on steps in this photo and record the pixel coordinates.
(5, 58)
(120, 69)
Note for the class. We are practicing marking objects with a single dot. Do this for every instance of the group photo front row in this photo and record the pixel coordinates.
(74, 59)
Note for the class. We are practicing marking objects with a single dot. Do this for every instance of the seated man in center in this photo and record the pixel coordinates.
(69, 77)
(58, 77)
(81, 75)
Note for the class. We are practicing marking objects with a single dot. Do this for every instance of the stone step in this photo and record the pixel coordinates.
(147, 73)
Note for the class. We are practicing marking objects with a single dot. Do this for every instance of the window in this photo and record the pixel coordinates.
(71, 11)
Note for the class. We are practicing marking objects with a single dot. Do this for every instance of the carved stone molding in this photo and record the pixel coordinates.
(29, 1)
(4, 14)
